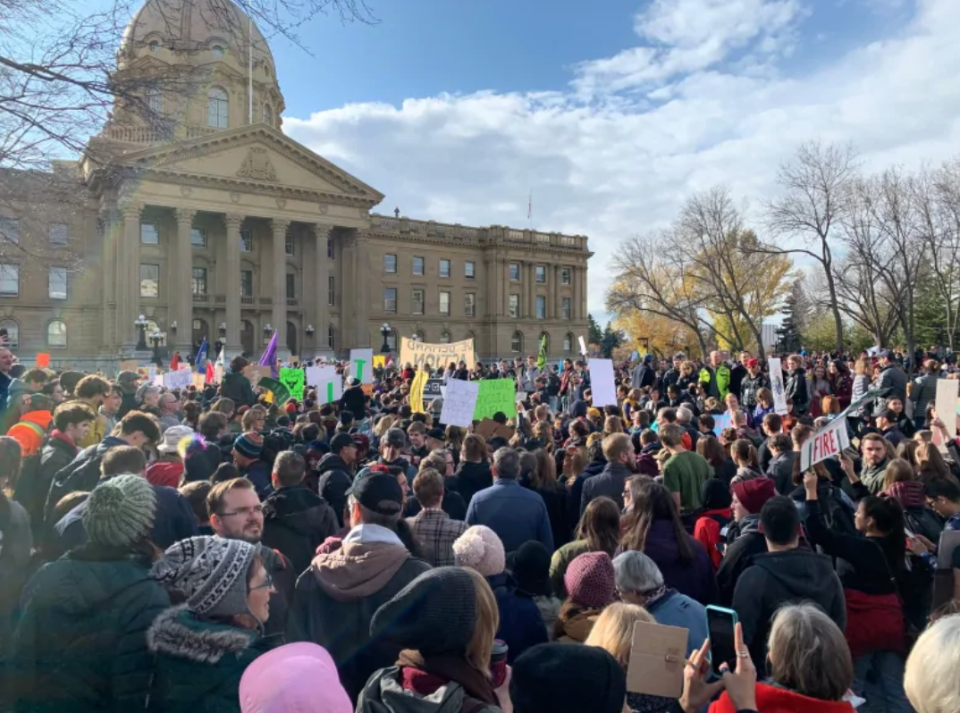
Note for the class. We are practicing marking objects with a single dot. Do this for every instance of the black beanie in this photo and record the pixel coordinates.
(530, 567)
(715, 494)
(567, 678)
(436, 613)
(346, 418)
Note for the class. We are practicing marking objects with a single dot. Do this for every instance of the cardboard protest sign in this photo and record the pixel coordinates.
(43, 360)
(722, 421)
(293, 379)
(824, 443)
(777, 386)
(361, 365)
(658, 654)
(255, 372)
(327, 382)
(488, 428)
(602, 382)
(496, 396)
(199, 381)
(177, 379)
(279, 392)
(435, 356)
(460, 403)
(129, 365)
(946, 398)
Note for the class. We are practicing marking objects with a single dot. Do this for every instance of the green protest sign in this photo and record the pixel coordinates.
(279, 391)
(293, 379)
(496, 396)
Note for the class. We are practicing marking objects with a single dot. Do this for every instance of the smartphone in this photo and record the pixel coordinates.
(721, 625)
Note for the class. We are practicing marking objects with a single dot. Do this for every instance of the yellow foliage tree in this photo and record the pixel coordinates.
(647, 332)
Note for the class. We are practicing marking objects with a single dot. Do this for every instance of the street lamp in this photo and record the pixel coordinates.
(416, 337)
(309, 330)
(141, 324)
(156, 337)
(385, 332)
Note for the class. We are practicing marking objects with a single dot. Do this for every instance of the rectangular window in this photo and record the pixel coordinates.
(444, 268)
(246, 240)
(198, 237)
(57, 283)
(288, 243)
(418, 266)
(291, 286)
(541, 307)
(199, 283)
(246, 283)
(149, 280)
(565, 305)
(514, 305)
(565, 275)
(416, 301)
(9, 280)
(331, 295)
(444, 302)
(514, 271)
(149, 235)
(9, 229)
(57, 233)
(390, 299)
(330, 249)
(470, 304)
(390, 263)
(470, 270)
(541, 273)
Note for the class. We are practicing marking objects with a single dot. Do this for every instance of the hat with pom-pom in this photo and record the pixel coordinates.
(120, 511)
(479, 548)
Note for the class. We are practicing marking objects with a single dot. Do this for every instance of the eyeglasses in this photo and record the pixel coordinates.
(256, 510)
(268, 582)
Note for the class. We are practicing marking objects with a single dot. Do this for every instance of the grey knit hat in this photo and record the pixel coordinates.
(120, 511)
(210, 571)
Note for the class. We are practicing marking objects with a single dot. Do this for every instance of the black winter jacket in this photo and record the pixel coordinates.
(236, 387)
(608, 483)
(470, 478)
(797, 391)
(32, 492)
(296, 522)
(333, 481)
(81, 474)
(744, 542)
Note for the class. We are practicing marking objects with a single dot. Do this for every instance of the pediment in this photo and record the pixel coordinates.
(254, 157)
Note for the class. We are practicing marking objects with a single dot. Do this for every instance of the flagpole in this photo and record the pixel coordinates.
(250, 63)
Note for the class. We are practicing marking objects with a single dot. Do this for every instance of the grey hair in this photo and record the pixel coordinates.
(684, 415)
(808, 653)
(635, 572)
(507, 463)
(930, 679)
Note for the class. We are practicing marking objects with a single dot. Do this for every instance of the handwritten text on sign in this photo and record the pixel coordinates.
(822, 444)
(496, 396)
(435, 356)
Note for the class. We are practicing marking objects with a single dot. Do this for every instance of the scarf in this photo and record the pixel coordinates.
(451, 667)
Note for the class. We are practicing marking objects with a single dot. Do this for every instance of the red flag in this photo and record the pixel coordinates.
(175, 362)
(209, 377)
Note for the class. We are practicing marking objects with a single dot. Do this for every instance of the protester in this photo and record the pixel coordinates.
(684, 472)
(621, 464)
(591, 586)
(598, 531)
(530, 568)
(713, 518)
(930, 679)
(296, 677)
(16, 543)
(433, 528)
(473, 473)
(558, 678)
(168, 469)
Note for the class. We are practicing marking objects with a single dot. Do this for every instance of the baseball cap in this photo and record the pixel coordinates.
(753, 362)
(888, 414)
(396, 438)
(887, 354)
(379, 492)
(341, 441)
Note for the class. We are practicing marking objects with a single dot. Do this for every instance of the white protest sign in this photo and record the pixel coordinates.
(459, 403)
(824, 443)
(777, 387)
(361, 365)
(946, 408)
(327, 382)
(177, 379)
(602, 384)
(583, 346)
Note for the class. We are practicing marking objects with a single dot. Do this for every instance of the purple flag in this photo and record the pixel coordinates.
(269, 357)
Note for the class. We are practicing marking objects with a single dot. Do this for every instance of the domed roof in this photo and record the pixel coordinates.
(194, 26)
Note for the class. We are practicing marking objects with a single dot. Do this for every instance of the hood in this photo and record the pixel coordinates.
(651, 449)
(358, 569)
(107, 443)
(801, 572)
(41, 418)
(909, 494)
(295, 508)
(748, 525)
(331, 461)
(178, 632)
(165, 473)
(384, 693)
(580, 625)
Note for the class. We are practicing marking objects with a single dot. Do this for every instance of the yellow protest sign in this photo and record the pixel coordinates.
(379, 361)
(435, 356)
(416, 392)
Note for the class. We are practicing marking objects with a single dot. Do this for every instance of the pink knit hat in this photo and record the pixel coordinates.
(479, 548)
(590, 581)
(296, 677)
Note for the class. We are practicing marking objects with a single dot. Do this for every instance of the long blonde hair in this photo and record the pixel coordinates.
(487, 622)
(613, 630)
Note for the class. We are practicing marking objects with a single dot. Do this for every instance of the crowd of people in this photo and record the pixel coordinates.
(215, 550)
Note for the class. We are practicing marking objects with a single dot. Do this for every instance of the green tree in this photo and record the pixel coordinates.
(789, 338)
(594, 334)
(610, 340)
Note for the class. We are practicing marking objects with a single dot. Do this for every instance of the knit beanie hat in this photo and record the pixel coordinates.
(435, 613)
(753, 493)
(715, 494)
(295, 678)
(210, 571)
(479, 548)
(249, 444)
(120, 511)
(590, 581)
(560, 678)
(530, 567)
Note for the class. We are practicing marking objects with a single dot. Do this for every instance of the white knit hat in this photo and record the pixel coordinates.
(479, 548)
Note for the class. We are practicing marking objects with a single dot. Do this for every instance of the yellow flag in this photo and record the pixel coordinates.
(416, 392)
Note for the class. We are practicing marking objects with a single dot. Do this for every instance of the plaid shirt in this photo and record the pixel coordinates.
(436, 532)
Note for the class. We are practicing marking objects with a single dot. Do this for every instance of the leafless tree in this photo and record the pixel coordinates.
(939, 206)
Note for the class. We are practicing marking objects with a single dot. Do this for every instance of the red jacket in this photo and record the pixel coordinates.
(707, 531)
(771, 699)
(874, 623)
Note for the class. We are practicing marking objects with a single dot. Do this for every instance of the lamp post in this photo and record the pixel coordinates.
(156, 337)
(309, 330)
(385, 332)
(141, 324)
(416, 337)
(223, 330)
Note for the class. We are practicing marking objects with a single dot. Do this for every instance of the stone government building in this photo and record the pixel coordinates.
(227, 228)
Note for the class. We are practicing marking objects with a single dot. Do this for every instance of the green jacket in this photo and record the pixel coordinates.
(81, 642)
(199, 663)
(716, 382)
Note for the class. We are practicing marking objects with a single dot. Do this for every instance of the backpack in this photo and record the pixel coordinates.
(837, 515)
(922, 521)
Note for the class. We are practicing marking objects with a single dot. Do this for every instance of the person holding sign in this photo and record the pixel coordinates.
(235, 386)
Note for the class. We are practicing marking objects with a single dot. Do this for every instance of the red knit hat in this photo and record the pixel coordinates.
(753, 493)
(590, 580)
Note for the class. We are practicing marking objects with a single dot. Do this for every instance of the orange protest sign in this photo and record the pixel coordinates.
(43, 359)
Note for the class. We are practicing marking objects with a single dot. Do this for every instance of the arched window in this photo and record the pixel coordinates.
(419, 336)
(567, 343)
(154, 100)
(516, 343)
(332, 338)
(444, 337)
(12, 339)
(544, 339)
(267, 114)
(57, 335)
(218, 108)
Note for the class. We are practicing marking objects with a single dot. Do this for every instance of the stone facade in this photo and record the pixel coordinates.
(228, 229)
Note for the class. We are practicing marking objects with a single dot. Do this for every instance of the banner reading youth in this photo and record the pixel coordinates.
(435, 356)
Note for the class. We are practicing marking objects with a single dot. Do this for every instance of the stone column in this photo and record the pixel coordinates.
(128, 288)
(321, 271)
(556, 312)
(583, 293)
(111, 226)
(360, 294)
(530, 284)
(279, 313)
(182, 302)
(575, 307)
(231, 341)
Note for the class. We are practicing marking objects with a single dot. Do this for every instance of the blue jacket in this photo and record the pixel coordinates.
(516, 514)
(521, 624)
(676, 609)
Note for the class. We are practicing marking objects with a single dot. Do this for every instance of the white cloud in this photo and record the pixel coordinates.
(621, 162)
